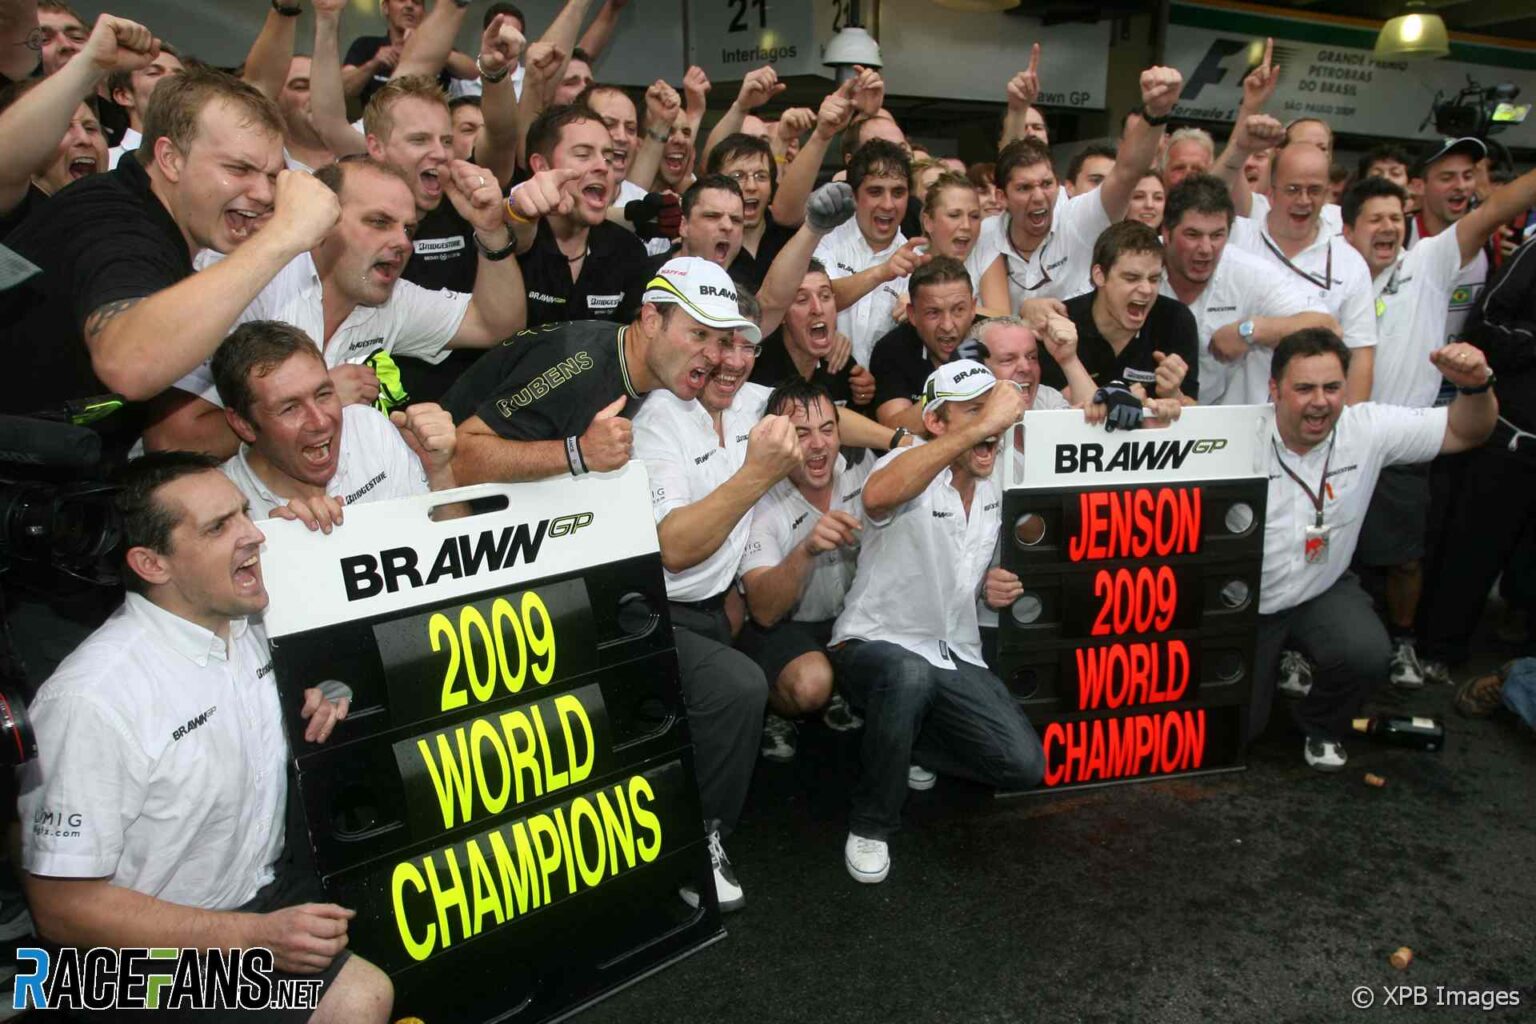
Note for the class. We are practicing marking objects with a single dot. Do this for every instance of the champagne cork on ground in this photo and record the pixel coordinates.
(1402, 958)
(1372, 779)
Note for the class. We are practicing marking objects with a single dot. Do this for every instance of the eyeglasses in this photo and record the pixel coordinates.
(1310, 191)
(1045, 275)
(759, 177)
(741, 348)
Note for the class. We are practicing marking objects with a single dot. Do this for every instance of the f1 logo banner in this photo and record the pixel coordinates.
(510, 805)
(1131, 648)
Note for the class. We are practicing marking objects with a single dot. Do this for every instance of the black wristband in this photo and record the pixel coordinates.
(896, 438)
(496, 255)
(287, 12)
(1481, 388)
(1156, 122)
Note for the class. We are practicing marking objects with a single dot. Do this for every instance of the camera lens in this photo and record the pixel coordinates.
(17, 741)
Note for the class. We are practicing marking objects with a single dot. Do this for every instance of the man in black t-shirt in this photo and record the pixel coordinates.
(117, 307)
(1126, 331)
(576, 264)
(371, 60)
(801, 345)
(749, 162)
(941, 307)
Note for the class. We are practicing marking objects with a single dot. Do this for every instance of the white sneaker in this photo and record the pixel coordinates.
(778, 738)
(728, 891)
(920, 778)
(1406, 673)
(1324, 755)
(867, 860)
(1295, 675)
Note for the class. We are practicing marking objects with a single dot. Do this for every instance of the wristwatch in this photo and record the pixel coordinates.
(1155, 122)
(1481, 388)
(285, 11)
(487, 77)
(1245, 331)
(661, 137)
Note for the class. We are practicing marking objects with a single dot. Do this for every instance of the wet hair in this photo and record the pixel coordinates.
(1310, 341)
(1128, 236)
(795, 392)
(1019, 153)
(1198, 193)
(880, 159)
(256, 349)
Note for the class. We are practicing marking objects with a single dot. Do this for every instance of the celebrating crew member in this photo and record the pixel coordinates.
(178, 838)
(801, 551)
(1293, 241)
(1043, 253)
(907, 647)
(117, 307)
(347, 293)
(1413, 298)
(805, 343)
(576, 264)
(1126, 331)
(1323, 460)
(300, 443)
(1241, 310)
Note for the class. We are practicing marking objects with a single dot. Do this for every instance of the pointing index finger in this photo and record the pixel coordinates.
(1034, 58)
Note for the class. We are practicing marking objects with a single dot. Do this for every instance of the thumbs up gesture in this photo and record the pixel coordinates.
(609, 440)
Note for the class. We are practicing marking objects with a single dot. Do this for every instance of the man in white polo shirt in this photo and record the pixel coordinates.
(1413, 292)
(1037, 250)
(346, 293)
(157, 802)
(301, 443)
(1301, 251)
(1242, 307)
(1323, 460)
(867, 258)
(709, 460)
(801, 551)
(907, 646)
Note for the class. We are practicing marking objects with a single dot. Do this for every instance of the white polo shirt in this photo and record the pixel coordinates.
(686, 461)
(1065, 258)
(1330, 271)
(415, 321)
(1242, 287)
(1465, 290)
(1368, 436)
(844, 252)
(162, 763)
(374, 464)
(1413, 299)
(920, 571)
(783, 519)
(130, 141)
(1332, 215)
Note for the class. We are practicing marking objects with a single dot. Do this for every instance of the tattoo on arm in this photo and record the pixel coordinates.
(103, 315)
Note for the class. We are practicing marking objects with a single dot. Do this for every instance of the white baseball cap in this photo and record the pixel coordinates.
(957, 381)
(705, 291)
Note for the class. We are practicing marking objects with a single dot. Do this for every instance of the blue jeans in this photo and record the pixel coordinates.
(959, 721)
(1519, 690)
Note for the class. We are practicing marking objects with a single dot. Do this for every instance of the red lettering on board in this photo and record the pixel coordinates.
(1121, 748)
(1137, 523)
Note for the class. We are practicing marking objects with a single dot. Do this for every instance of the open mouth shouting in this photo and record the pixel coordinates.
(386, 270)
(725, 383)
(595, 193)
(247, 572)
(242, 224)
(750, 208)
(1136, 311)
(81, 166)
(818, 337)
(984, 456)
(431, 183)
(1037, 218)
(1384, 246)
(884, 224)
(818, 467)
(674, 160)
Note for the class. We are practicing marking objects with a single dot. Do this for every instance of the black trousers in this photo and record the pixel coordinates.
(1342, 636)
(1487, 511)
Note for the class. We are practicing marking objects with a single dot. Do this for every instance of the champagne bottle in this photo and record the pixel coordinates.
(1418, 732)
